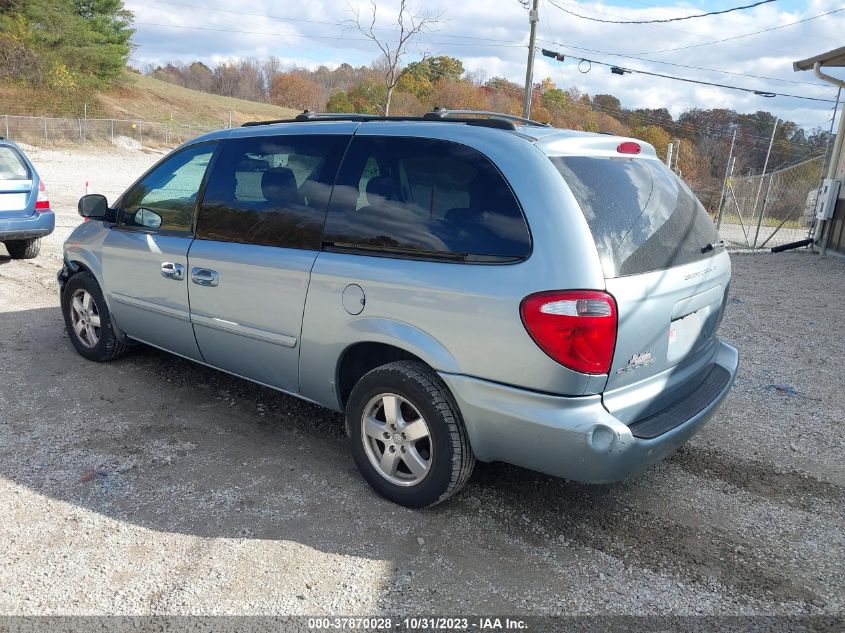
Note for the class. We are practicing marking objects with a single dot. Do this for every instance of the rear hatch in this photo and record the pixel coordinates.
(664, 266)
(16, 181)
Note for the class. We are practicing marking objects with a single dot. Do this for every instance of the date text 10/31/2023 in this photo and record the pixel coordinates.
(422, 623)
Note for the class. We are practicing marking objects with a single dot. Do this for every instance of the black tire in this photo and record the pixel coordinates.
(451, 456)
(24, 249)
(108, 346)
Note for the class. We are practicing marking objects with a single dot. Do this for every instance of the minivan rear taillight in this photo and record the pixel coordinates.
(577, 328)
(42, 202)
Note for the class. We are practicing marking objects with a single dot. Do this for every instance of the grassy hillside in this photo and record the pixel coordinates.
(143, 98)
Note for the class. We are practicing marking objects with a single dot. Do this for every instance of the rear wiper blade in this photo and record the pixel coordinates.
(712, 246)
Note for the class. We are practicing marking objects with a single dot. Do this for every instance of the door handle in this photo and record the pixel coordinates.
(205, 277)
(169, 270)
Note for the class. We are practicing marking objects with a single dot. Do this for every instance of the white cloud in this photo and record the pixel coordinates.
(313, 36)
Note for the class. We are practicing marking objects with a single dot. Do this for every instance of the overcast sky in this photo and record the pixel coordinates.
(492, 36)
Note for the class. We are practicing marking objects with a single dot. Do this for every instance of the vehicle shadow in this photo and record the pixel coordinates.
(162, 443)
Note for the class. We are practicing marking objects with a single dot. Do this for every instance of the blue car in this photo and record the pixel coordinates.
(25, 215)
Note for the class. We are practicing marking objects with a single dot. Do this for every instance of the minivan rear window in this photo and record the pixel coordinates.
(12, 166)
(642, 216)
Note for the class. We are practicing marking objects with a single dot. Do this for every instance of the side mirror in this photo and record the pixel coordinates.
(93, 206)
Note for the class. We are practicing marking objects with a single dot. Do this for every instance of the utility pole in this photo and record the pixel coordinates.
(669, 156)
(533, 18)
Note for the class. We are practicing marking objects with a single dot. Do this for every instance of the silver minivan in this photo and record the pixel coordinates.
(462, 285)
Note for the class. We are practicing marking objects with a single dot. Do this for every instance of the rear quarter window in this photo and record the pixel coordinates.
(12, 166)
(425, 198)
(642, 216)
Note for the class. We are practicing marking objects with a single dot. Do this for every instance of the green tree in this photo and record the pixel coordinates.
(339, 101)
(368, 97)
(416, 80)
(555, 97)
(607, 101)
(444, 67)
(84, 43)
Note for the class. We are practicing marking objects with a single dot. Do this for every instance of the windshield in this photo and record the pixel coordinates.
(642, 216)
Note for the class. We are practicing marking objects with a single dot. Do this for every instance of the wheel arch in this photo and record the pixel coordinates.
(362, 357)
(372, 342)
(77, 260)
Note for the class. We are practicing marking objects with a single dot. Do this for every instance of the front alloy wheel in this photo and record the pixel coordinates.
(85, 318)
(88, 321)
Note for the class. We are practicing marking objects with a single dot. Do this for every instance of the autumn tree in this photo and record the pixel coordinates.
(198, 76)
(293, 90)
(654, 135)
(393, 51)
(459, 95)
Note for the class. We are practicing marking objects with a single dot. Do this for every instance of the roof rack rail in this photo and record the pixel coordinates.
(494, 119)
(443, 113)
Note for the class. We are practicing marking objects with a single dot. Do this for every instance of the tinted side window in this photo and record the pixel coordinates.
(424, 197)
(271, 191)
(641, 215)
(165, 199)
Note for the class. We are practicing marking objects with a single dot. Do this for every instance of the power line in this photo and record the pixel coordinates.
(616, 15)
(620, 71)
(737, 37)
(678, 19)
(657, 61)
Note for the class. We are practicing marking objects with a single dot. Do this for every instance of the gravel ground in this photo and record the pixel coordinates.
(155, 486)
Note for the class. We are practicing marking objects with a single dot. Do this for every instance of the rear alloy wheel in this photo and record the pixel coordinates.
(408, 437)
(88, 320)
(396, 439)
(24, 249)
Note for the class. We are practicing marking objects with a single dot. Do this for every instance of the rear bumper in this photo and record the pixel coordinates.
(575, 438)
(38, 224)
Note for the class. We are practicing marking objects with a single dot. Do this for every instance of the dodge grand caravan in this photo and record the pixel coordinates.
(462, 285)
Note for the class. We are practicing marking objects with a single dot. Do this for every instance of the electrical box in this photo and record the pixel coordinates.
(826, 201)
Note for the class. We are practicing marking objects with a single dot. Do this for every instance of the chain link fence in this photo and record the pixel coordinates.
(126, 133)
(773, 209)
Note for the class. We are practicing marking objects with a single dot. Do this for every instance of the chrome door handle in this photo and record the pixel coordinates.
(205, 277)
(169, 270)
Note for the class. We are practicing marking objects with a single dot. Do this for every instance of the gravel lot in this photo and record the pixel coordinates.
(155, 486)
